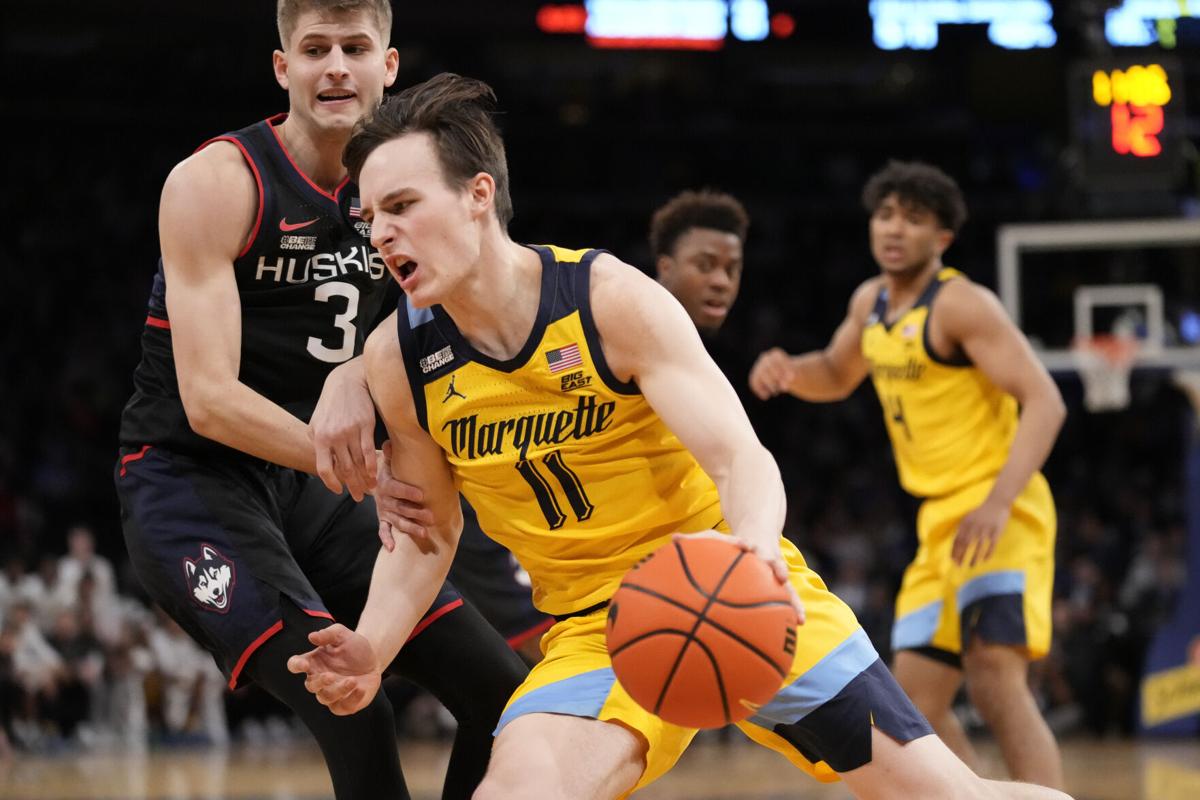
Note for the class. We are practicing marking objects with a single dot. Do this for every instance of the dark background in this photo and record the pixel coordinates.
(104, 98)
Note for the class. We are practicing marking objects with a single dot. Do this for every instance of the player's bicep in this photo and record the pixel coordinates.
(992, 342)
(205, 214)
(416, 458)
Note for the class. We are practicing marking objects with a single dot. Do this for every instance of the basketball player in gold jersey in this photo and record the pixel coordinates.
(577, 372)
(951, 370)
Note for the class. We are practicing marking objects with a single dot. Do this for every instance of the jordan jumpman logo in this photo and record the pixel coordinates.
(452, 392)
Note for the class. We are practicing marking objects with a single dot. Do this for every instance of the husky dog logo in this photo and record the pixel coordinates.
(210, 578)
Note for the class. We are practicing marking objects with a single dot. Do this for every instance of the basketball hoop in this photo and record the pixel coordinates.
(1104, 363)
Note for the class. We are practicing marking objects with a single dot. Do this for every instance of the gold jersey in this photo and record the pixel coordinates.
(566, 466)
(950, 426)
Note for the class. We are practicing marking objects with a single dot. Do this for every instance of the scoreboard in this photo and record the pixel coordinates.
(1128, 121)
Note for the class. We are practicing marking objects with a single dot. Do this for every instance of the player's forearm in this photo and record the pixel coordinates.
(404, 585)
(814, 379)
(1041, 419)
(239, 417)
(752, 496)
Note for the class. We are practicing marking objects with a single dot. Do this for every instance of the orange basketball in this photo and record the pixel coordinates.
(700, 633)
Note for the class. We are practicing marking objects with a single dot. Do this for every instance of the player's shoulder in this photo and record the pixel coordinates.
(957, 289)
(382, 347)
(963, 304)
(863, 300)
(218, 170)
(615, 284)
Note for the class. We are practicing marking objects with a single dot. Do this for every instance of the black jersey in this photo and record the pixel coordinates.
(311, 288)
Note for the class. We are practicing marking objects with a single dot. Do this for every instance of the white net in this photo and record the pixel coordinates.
(1104, 364)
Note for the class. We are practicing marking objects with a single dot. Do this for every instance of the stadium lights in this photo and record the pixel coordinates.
(1012, 24)
(666, 24)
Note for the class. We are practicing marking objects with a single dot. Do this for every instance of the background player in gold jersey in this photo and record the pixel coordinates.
(976, 599)
(571, 365)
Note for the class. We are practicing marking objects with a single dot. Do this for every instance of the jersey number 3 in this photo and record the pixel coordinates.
(572, 487)
(344, 322)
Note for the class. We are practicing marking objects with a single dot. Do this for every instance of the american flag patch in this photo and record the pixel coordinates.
(355, 208)
(563, 358)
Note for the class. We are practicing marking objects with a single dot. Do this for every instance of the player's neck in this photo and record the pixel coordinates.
(904, 287)
(496, 306)
(317, 156)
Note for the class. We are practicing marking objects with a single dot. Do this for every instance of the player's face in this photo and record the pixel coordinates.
(704, 273)
(427, 232)
(335, 69)
(905, 237)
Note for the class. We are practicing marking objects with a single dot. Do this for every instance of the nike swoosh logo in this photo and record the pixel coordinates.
(287, 227)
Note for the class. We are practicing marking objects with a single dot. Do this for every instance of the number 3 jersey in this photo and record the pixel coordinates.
(310, 287)
(566, 466)
(950, 426)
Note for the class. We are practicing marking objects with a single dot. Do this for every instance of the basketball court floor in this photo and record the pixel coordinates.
(710, 770)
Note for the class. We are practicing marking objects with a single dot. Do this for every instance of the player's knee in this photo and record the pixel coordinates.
(995, 675)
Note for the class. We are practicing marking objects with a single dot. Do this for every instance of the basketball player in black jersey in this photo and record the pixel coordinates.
(696, 240)
(265, 292)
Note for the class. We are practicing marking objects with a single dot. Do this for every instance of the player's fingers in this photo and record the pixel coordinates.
(352, 703)
(330, 635)
(991, 544)
(406, 527)
(325, 470)
(370, 463)
(411, 511)
(401, 490)
(334, 691)
(348, 471)
(956, 550)
(385, 536)
(299, 663)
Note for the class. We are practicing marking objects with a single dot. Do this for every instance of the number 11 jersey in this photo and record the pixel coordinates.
(310, 287)
(565, 465)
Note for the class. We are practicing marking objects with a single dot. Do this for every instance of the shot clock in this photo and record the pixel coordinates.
(1128, 120)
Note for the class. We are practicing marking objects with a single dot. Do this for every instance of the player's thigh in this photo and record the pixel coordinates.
(206, 544)
(561, 757)
(923, 768)
(931, 683)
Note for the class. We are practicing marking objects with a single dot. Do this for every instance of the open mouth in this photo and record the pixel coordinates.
(332, 96)
(406, 269)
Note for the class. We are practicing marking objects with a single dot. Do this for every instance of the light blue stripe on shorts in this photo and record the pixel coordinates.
(990, 585)
(916, 628)
(820, 684)
(579, 696)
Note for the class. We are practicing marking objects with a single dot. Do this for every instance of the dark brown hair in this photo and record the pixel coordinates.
(457, 112)
(918, 184)
(691, 209)
(288, 11)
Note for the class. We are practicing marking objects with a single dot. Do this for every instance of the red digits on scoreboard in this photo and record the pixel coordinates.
(1135, 129)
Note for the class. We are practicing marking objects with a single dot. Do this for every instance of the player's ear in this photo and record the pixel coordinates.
(663, 266)
(279, 62)
(481, 192)
(945, 238)
(391, 60)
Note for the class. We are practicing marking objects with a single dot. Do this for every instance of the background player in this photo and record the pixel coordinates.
(273, 285)
(696, 240)
(499, 320)
(976, 598)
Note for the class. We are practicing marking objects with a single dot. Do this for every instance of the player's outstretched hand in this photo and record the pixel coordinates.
(343, 432)
(340, 671)
(772, 556)
(398, 505)
(978, 533)
(771, 374)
